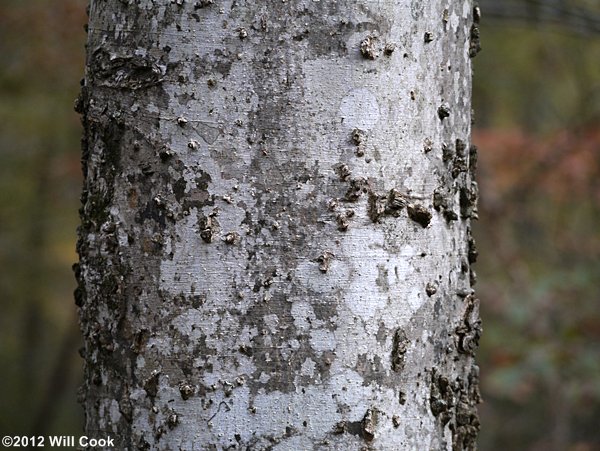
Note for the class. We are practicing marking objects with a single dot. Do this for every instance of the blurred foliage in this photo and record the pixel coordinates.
(537, 102)
(539, 271)
(41, 61)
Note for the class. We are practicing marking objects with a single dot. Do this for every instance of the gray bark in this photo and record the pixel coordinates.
(275, 245)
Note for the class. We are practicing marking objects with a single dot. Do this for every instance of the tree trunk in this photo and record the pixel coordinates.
(275, 245)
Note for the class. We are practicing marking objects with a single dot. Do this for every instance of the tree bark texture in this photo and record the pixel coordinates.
(275, 244)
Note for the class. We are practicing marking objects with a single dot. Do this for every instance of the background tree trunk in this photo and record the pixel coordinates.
(275, 247)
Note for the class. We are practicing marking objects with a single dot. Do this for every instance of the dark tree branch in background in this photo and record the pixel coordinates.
(544, 12)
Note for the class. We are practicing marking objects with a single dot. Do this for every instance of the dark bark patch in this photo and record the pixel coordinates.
(468, 201)
(172, 420)
(396, 201)
(95, 199)
(400, 344)
(186, 390)
(442, 202)
(232, 238)
(125, 72)
(179, 188)
(365, 428)
(455, 403)
(246, 350)
(220, 61)
(350, 427)
(79, 294)
(199, 196)
(427, 144)
(203, 3)
(389, 48)
(126, 408)
(441, 399)
(152, 211)
(357, 187)
(208, 228)
(376, 206)
(140, 339)
(369, 424)
(475, 41)
(386, 205)
(324, 260)
(401, 398)
(368, 47)
(459, 165)
(472, 252)
(468, 332)
(443, 111)
(165, 154)
(431, 289)
(372, 370)
(466, 427)
(460, 147)
(272, 351)
(326, 37)
(450, 215)
(151, 384)
(472, 159)
(447, 153)
(343, 171)
(382, 280)
(419, 214)
(202, 180)
(359, 139)
(343, 219)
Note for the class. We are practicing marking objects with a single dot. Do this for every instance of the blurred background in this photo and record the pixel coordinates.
(537, 104)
